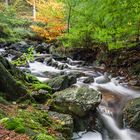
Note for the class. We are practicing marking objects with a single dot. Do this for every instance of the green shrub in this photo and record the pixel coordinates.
(13, 29)
(15, 124)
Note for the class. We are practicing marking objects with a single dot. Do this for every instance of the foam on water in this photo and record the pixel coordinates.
(2, 50)
(87, 136)
(38, 67)
(42, 79)
(115, 87)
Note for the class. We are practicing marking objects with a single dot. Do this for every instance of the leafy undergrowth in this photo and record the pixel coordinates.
(11, 135)
(18, 122)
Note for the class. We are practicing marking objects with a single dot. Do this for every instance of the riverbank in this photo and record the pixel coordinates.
(75, 90)
(123, 62)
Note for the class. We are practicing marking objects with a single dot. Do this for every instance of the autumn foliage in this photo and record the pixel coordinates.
(51, 14)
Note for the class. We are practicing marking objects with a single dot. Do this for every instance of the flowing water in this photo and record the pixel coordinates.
(115, 95)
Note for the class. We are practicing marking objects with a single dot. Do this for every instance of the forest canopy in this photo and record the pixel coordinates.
(76, 23)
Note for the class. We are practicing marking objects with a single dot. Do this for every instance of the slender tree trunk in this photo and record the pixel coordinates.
(6, 2)
(34, 10)
(69, 17)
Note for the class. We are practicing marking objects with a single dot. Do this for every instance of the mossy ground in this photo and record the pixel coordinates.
(35, 123)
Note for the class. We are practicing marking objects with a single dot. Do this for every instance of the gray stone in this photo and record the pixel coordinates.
(61, 82)
(131, 114)
(102, 80)
(89, 80)
(77, 101)
(66, 127)
(40, 96)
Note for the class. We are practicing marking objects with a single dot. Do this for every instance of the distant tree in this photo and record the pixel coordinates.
(51, 14)
(115, 23)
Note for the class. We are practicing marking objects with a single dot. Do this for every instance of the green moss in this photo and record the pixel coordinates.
(44, 137)
(15, 124)
(31, 79)
(37, 121)
(39, 86)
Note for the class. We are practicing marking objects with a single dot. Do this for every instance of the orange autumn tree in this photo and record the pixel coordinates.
(51, 13)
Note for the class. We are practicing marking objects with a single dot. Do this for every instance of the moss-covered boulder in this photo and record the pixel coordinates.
(41, 95)
(17, 85)
(11, 88)
(61, 82)
(77, 101)
(131, 114)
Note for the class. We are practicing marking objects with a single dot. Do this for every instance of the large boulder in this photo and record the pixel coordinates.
(61, 82)
(16, 73)
(102, 80)
(131, 114)
(40, 96)
(77, 101)
(11, 88)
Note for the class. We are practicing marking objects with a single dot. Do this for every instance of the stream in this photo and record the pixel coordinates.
(115, 94)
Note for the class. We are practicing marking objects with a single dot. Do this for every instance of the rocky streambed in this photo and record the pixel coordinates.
(92, 103)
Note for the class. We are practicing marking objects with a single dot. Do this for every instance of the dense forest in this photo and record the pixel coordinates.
(69, 69)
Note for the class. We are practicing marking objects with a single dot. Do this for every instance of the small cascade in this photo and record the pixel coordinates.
(2, 50)
(112, 127)
(114, 97)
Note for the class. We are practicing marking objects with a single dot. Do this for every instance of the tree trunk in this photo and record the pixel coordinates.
(69, 17)
(34, 10)
(6, 2)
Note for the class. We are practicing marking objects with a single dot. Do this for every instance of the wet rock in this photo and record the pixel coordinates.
(102, 80)
(5, 44)
(42, 57)
(59, 58)
(41, 48)
(66, 127)
(55, 64)
(26, 70)
(77, 101)
(48, 61)
(63, 66)
(131, 114)
(14, 53)
(85, 123)
(61, 82)
(19, 46)
(71, 62)
(89, 80)
(77, 74)
(40, 96)
(52, 74)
